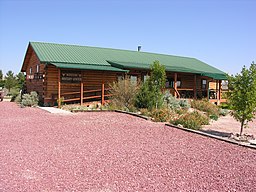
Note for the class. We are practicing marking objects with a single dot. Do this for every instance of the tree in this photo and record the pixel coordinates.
(150, 95)
(242, 95)
(1, 79)
(20, 80)
(10, 80)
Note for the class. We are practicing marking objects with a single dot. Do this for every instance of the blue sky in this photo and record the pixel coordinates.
(221, 33)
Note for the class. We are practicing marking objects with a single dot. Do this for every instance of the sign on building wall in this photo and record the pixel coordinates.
(71, 76)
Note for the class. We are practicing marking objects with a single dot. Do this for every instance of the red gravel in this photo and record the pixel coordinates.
(114, 152)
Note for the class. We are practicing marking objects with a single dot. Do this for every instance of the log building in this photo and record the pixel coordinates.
(73, 73)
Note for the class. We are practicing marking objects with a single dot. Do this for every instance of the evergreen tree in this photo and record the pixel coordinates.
(1, 75)
(20, 79)
(10, 80)
(150, 95)
(1, 79)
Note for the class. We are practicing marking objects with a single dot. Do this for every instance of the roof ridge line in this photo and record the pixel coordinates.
(110, 49)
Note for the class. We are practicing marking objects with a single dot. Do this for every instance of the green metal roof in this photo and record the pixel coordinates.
(88, 67)
(124, 65)
(124, 59)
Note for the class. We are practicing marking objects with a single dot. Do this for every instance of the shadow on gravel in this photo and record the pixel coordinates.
(217, 133)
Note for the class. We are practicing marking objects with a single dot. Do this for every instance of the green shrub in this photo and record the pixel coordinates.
(225, 106)
(171, 101)
(145, 97)
(61, 100)
(123, 94)
(204, 105)
(181, 111)
(184, 103)
(29, 100)
(160, 115)
(144, 111)
(223, 112)
(18, 99)
(214, 117)
(13, 93)
(193, 120)
(150, 95)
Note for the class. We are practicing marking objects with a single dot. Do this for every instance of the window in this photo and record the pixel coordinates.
(145, 77)
(224, 84)
(178, 83)
(170, 83)
(119, 78)
(134, 78)
(37, 68)
(204, 82)
(30, 70)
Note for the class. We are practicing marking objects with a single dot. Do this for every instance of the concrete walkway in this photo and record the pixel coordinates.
(56, 110)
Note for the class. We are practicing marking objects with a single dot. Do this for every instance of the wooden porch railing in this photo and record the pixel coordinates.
(86, 95)
(213, 95)
(103, 93)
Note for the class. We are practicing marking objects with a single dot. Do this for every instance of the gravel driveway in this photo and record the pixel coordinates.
(226, 125)
(104, 152)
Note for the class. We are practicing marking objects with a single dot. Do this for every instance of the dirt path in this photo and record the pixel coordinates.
(110, 151)
(227, 125)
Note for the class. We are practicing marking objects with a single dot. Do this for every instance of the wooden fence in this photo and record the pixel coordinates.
(86, 95)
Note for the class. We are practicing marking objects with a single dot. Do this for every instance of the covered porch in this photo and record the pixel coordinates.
(87, 86)
(195, 86)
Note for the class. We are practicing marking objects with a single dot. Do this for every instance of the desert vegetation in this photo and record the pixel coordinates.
(148, 99)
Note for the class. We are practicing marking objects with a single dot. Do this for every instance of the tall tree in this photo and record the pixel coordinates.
(157, 81)
(20, 79)
(242, 95)
(1, 75)
(1, 79)
(150, 95)
(10, 80)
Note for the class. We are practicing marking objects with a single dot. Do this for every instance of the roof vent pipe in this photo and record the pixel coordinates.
(139, 48)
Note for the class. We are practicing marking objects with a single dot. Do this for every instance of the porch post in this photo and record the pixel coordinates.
(102, 93)
(208, 89)
(195, 87)
(59, 102)
(81, 93)
(103, 89)
(219, 91)
(175, 85)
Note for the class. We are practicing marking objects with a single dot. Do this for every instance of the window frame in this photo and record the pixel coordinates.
(145, 77)
(204, 85)
(170, 82)
(38, 68)
(134, 81)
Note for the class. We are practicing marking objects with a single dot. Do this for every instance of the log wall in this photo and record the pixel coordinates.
(92, 80)
(35, 84)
